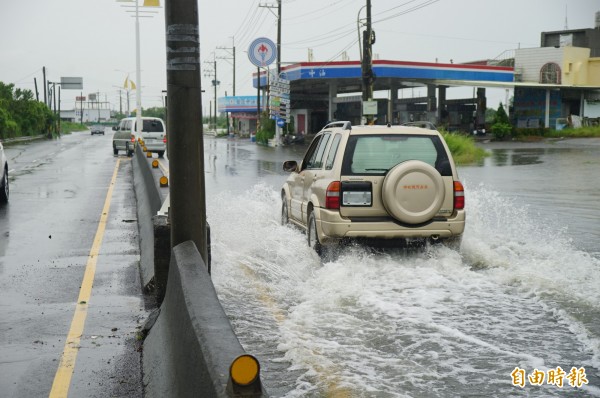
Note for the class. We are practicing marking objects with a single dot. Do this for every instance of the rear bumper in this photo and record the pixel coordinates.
(332, 227)
(157, 146)
(122, 145)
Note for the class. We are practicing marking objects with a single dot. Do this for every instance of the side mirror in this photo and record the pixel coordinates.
(290, 166)
(115, 128)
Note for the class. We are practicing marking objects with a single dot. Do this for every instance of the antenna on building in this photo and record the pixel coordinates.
(310, 55)
(566, 21)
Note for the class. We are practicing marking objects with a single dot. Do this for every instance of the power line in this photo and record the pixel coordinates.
(415, 8)
(318, 11)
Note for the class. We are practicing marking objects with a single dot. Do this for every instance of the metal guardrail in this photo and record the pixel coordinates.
(13, 140)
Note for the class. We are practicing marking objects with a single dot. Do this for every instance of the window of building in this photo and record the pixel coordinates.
(550, 73)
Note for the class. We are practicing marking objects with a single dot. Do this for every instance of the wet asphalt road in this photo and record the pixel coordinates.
(58, 192)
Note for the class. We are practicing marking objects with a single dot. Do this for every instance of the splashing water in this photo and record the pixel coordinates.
(432, 322)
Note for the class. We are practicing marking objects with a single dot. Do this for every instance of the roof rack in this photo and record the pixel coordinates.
(346, 125)
(422, 124)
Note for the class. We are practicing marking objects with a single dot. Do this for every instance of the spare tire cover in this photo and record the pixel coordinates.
(413, 192)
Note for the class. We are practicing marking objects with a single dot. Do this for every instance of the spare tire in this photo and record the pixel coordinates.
(413, 192)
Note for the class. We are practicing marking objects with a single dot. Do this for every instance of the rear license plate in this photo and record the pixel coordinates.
(356, 198)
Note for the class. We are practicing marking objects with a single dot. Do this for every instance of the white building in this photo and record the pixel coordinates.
(90, 115)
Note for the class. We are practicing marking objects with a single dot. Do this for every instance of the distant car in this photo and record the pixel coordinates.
(4, 191)
(97, 129)
(391, 184)
(154, 135)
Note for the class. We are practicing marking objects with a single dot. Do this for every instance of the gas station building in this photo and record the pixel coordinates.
(549, 85)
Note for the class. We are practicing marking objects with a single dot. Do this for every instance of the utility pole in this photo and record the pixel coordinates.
(187, 212)
(231, 51)
(257, 100)
(212, 72)
(138, 73)
(98, 104)
(367, 62)
(215, 83)
(37, 94)
(59, 111)
(278, 16)
(278, 37)
(54, 98)
(81, 103)
(45, 94)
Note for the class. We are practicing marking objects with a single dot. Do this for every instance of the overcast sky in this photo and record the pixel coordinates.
(95, 39)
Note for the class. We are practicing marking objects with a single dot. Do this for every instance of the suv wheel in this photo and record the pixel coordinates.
(413, 192)
(115, 150)
(312, 236)
(4, 191)
(129, 151)
(285, 218)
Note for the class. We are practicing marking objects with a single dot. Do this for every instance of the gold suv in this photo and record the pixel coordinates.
(396, 184)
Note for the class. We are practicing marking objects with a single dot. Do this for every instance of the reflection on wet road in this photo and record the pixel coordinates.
(46, 233)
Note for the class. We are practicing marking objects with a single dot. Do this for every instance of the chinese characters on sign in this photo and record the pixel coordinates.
(280, 99)
(575, 378)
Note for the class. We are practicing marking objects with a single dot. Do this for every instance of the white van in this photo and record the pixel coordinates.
(154, 135)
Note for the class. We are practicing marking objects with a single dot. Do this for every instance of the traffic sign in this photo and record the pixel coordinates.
(280, 122)
(262, 51)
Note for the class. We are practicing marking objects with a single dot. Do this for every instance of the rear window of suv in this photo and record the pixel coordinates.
(377, 154)
(152, 126)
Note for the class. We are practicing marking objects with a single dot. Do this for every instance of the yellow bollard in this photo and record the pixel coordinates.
(155, 164)
(164, 182)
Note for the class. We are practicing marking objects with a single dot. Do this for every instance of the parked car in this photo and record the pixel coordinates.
(97, 129)
(390, 184)
(4, 189)
(153, 134)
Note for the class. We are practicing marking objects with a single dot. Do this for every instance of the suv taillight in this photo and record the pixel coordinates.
(459, 196)
(165, 139)
(132, 138)
(332, 195)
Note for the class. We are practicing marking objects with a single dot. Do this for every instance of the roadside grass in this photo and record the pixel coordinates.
(463, 148)
(69, 127)
(582, 132)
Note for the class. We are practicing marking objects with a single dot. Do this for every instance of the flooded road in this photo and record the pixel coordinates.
(522, 295)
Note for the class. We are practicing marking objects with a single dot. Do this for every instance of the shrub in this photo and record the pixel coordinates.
(463, 148)
(501, 130)
(266, 130)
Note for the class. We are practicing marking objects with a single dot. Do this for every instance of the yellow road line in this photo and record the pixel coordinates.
(62, 379)
(163, 168)
(325, 374)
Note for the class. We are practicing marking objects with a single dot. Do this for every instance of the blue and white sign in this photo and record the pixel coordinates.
(262, 51)
(280, 122)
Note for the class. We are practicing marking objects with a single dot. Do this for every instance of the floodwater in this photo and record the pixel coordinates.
(523, 293)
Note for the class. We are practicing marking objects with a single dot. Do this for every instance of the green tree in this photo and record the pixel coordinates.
(159, 112)
(501, 127)
(21, 114)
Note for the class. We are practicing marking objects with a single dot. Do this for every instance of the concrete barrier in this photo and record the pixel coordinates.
(190, 349)
(149, 200)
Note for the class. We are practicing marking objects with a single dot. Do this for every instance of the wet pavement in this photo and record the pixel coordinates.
(58, 190)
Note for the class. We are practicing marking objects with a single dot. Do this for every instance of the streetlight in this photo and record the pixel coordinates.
(138, 74)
